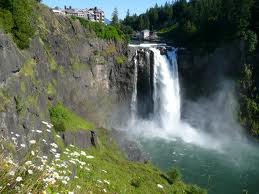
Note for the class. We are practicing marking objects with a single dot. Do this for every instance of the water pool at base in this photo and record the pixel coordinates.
(234, 171)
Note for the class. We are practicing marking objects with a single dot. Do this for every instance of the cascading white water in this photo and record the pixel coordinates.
(135, 89)
(166, 87)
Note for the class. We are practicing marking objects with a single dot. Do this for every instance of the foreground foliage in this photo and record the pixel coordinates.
(101, 169)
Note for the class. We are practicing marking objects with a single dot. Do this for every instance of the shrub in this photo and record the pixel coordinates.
(17, 17)
(6, 20)
(101, 30)
(174, 175)
(64, 119)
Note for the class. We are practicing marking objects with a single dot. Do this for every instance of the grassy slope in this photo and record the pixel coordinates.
(101, 169)
(124, 176)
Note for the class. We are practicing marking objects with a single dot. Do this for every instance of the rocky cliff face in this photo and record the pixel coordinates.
(65, 63)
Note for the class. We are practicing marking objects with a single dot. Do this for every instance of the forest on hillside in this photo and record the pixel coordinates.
(201, 22)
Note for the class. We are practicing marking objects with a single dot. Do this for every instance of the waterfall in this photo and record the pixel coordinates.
(166, 88)
(135, 89)
(165, 121)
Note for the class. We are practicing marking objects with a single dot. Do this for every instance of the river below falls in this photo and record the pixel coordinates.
(231, 171)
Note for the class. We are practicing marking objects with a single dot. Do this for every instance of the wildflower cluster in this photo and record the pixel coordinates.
(38, 172)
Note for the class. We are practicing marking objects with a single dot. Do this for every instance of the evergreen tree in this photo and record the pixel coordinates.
(115, 17)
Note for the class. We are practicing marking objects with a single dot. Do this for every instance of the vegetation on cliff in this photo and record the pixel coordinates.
(107, 32)
(17, 17)
(64, 119)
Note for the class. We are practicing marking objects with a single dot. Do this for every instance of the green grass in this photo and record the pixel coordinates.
(4, 100)
(64, 119)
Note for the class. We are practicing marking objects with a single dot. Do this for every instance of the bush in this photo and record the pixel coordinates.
(101, 30)
(135, 183)
(17, 17)
(174, 175)
(64, 119)
(6, 20)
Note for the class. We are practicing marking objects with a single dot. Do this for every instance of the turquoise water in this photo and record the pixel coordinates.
(231, 171)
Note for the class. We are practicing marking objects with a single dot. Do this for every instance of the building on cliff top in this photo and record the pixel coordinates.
(92, 14)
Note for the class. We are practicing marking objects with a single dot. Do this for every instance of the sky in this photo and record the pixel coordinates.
(135, 6)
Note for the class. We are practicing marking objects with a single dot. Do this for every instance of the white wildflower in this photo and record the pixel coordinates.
(56, 175)
(76, 177)
(28, 163)
(44, 122)
(14, 138)
(32, 153)
(72, 161)
(70, 192)
(12, 132)
(49, 131)
(58, 136)
(53, 150)
(104, 171)
(76, 154)
(87, 169)
(71, 145)
(30, 171)
(107, 182)
(99, 181)
(83, 153)
(17, 135)
(23, 145)
(64, 182)
(104, 190)
(79, 187)
(11, 173)
(32, 141)
(18, 179)
(89, 157)
(54, 145)
(160, 186)
(38, 131)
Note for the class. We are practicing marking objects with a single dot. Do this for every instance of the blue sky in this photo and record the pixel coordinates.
(135, 6)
